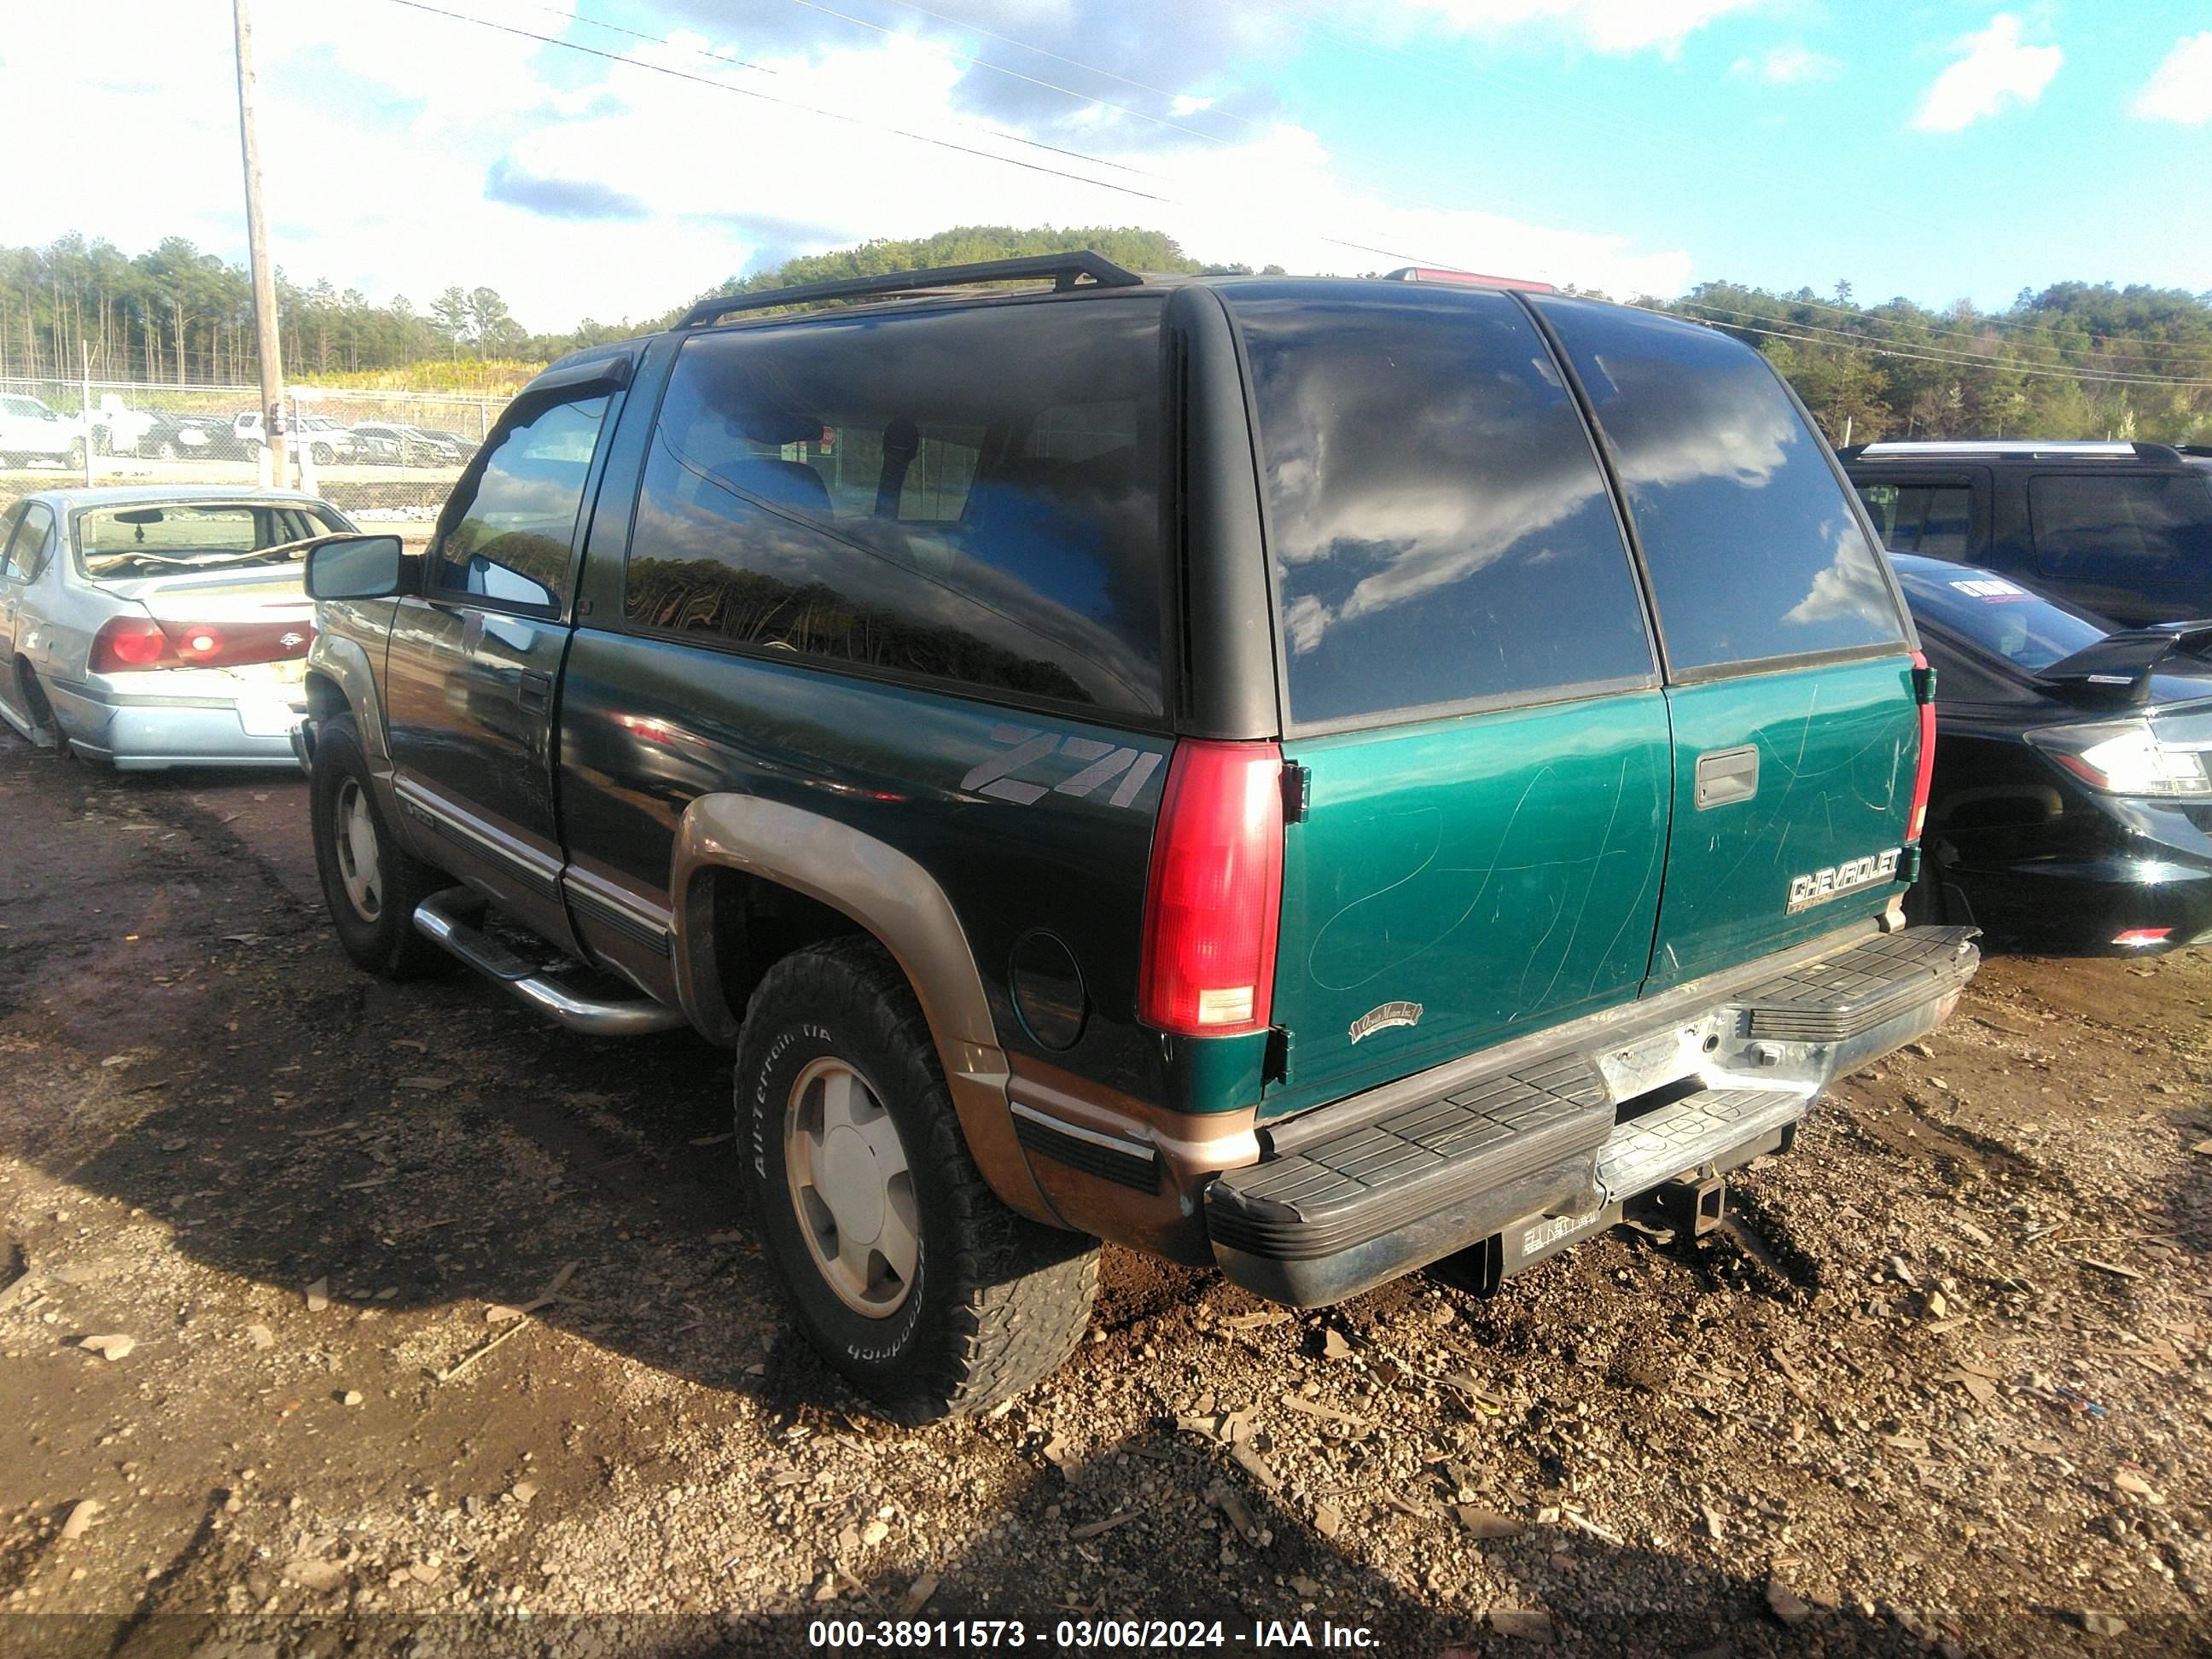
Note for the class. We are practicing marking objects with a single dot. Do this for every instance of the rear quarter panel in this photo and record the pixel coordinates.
(983, 798)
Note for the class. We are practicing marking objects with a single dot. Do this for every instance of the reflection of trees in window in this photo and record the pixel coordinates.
(746, 607)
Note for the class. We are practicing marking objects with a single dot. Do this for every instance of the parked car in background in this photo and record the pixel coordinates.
(324, 441)
(151, 628)
(2071, 805)
(205, 437)
(410, 445)
(117, 430)
(376, 449)
(784, 667)
(2122, 530)
(461, 446)
(29, 431)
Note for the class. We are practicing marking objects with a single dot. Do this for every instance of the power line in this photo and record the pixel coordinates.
(1936, 355)
(2053, 347)
(770, 98)
(1877, 351)
(855, 120)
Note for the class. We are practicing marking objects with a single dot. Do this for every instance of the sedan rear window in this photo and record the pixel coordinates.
(123, 544)
(1754, 549)
(2002, 617)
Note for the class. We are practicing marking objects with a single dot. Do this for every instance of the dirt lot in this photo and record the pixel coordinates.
(1946, 1386)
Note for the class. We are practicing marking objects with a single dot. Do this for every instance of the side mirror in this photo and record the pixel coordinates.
(358, 568)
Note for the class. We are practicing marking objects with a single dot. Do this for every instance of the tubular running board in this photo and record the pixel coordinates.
(434, 919)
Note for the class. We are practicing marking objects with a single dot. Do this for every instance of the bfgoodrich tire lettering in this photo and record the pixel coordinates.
(376, 924)
(995, 1302)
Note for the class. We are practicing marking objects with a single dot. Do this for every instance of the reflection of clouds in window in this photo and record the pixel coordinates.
(1735, 426)
(1848, 586)
(1439, 526)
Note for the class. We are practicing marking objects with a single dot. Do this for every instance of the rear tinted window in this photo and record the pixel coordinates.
(1753, 550)
(1441, 531)
(2123, 527)
(969, 495)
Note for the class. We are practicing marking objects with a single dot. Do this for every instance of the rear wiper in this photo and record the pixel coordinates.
(2120, 665)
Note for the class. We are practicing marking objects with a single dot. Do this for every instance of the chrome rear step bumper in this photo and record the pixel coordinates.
(436, 920)
(1547, 1153)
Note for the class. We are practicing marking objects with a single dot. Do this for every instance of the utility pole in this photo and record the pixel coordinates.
(256, 239)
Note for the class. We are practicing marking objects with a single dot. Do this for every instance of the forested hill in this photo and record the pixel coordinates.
(2072, 360)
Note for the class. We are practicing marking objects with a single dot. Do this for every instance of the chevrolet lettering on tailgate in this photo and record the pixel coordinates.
(1819, 886)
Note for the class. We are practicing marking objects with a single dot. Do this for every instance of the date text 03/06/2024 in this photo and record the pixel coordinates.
(1071, 1635)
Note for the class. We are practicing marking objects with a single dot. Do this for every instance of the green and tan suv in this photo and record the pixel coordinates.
(1311, 777)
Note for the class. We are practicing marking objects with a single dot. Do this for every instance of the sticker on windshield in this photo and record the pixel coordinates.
(1995, 590)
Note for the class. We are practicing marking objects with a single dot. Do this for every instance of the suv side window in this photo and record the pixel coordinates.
(969, 495)
(22, 558)
(1753, 547)
(1440, 529)
(2121, 527)
(505, 535)
(1933, 519)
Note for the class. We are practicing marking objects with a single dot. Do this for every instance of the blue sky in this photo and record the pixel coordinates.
(1940, 151)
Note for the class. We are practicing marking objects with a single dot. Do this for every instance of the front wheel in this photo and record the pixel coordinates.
(908, 1273)
(370, 882)
(322, 454)
(166, 451)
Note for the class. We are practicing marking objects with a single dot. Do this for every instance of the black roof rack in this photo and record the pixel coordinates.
(1063, 268)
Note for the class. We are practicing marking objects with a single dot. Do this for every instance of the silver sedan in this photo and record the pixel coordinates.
(153, 628)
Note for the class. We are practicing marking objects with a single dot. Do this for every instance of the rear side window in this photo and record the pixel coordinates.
(1753, 550)
(2121, 527)
(1441, 532)
(512, 530)
(1920, 518)
(970, 496)
(22, 557)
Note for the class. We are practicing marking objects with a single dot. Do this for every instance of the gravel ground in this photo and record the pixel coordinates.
(337, 1316)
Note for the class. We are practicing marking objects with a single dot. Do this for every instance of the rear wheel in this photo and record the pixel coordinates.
(166, 451)
(322, 454)
(76, 456)
(908, 1273)
(371, 884)
(39, 709)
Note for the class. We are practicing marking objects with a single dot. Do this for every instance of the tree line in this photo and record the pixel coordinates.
(2075, 360)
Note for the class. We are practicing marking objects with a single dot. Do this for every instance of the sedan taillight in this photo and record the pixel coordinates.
(132, 644)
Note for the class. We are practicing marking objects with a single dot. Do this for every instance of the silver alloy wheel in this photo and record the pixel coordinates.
(354, 833)
(851, 1188)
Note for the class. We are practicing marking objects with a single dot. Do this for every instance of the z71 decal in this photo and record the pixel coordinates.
(1096, 764)
(1819, 886)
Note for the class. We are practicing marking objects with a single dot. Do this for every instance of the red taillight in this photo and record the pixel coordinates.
(1924, 687)
(1215, 892)
(127, 643)
(2142, 936)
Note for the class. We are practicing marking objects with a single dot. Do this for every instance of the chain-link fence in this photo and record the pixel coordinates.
(382, 456)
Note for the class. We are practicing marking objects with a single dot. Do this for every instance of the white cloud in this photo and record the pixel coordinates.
(1786, 66)
(1993, 69)
(1605, 25)
(1189, 104)
(2181, 87)
(403, 156)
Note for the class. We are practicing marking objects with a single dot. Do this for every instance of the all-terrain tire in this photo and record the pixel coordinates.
(997, 1302)
(384, 942)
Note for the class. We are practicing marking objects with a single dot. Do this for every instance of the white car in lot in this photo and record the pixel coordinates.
(325, 442)
(153, 628)
(29, 431)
